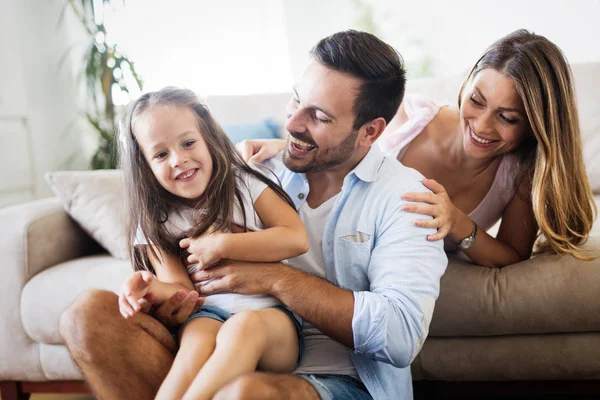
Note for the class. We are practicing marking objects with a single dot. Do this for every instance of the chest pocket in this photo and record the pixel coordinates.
(354, 252)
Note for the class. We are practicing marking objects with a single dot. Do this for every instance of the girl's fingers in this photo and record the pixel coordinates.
(124, 306)
(135, 305)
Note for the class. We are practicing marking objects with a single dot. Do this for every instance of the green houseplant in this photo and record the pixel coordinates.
(105, 70)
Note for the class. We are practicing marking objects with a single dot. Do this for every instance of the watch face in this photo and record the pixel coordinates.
(467, 242)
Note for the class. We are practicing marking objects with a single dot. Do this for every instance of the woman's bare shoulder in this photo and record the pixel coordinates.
(446, 120)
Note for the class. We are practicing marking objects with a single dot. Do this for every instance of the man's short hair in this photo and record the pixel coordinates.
(368, 58)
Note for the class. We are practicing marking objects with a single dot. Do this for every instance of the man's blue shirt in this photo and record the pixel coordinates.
(372, 248)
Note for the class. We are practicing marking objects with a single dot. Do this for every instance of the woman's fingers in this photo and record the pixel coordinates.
(442, 233)
(416, 208)
(260, 156)
(423, 197)
(433, 185)
(433, 223)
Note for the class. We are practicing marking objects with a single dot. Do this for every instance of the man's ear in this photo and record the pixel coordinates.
(372, 130)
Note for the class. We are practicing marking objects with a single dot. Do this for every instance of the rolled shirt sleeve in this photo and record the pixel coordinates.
(391, 320)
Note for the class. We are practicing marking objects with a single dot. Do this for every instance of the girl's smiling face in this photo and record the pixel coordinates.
(175, 150)
(492, 115)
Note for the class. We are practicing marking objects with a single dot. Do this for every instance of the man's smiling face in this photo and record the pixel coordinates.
(320, 120)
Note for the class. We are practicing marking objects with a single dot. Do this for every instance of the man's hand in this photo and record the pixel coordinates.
(207, 249)
(176, 309)
(242, 277)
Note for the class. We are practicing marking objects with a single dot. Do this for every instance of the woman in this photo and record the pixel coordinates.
(512, 150)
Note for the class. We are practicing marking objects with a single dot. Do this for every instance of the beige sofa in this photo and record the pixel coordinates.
(532, 326)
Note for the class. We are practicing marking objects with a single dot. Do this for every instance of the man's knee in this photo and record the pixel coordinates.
(249, 387)
(84, 315)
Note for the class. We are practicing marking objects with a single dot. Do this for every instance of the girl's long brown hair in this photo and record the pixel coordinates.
(552, 157)
(149, 204)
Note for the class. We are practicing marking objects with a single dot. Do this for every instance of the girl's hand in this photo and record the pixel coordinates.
(257, 151)
(207, 249)
(133, 291)
(439, 206)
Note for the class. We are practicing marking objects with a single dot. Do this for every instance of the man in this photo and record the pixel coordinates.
(366, 288)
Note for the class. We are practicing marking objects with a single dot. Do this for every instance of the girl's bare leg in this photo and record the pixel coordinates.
(264, 338)
(196, 343)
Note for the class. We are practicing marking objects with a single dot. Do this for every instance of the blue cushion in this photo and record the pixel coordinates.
(267, 129)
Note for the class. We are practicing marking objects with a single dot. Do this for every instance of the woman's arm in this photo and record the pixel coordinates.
(515, 238)
(514, 241)
(257, 151)
(285, 237)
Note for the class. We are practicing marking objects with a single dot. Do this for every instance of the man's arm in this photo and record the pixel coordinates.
(391, 319)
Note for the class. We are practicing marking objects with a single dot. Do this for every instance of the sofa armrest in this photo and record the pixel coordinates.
(37, 235)
(33, 236)
(548, 293)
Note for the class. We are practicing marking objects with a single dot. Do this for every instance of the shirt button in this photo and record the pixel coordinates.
(301, 196)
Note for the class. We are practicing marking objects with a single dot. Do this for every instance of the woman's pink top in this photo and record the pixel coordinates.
(420, 111)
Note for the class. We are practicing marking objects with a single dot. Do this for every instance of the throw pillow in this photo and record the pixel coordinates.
(95, 200)
(267, 129)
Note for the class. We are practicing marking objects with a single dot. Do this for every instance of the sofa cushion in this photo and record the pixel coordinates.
(95, 199)
(545, 294)
(48, 294)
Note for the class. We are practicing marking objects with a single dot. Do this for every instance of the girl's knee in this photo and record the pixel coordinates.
(245, 324)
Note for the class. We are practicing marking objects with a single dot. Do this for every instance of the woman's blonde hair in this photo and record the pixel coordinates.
(552, 157)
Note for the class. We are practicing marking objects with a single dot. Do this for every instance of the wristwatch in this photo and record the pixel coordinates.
(469, 240)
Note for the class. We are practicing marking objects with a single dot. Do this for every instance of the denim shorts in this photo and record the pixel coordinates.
(217, 313)
(337, 387)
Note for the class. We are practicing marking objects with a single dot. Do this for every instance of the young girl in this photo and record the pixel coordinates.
(184, 178)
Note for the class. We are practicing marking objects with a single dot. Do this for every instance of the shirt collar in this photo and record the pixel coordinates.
(368, 168)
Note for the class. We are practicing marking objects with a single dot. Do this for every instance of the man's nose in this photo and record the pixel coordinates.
(295, 121)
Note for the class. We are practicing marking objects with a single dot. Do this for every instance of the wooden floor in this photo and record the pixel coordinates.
(60, 397)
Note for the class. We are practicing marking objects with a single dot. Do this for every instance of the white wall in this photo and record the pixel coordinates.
(39, 95)
(452, 33)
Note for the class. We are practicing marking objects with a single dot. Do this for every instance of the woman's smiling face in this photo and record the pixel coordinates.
(493, 116)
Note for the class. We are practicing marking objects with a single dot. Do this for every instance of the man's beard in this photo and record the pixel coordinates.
(329, 158)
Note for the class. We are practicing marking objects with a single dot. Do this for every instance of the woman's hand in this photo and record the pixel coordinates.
(438, 205)
(207, 249)
(259, 150)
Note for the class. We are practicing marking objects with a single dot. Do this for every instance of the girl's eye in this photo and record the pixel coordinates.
(188, 143)
(160, 155)
(295, 100)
